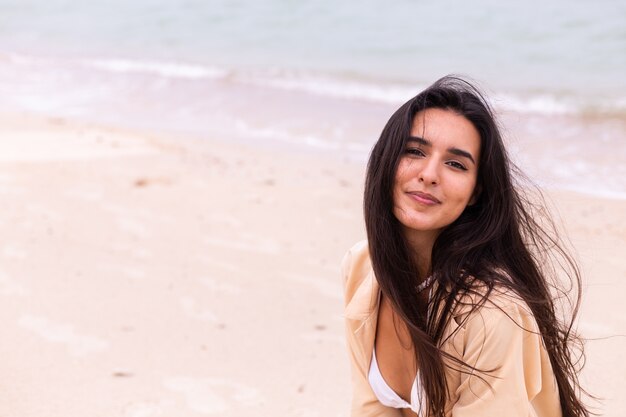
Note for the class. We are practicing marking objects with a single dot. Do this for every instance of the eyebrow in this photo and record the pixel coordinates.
(453, 150)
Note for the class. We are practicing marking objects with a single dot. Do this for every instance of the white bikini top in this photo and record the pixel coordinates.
(388, 396)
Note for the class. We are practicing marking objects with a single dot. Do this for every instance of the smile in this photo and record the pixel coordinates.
(423, 198)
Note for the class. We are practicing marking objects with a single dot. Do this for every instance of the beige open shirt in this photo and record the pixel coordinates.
(502, 335)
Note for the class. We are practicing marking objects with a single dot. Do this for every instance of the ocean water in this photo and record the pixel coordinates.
(325, 75)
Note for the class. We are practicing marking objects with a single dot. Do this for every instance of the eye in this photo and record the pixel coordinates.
(456, 165)
(414, 152)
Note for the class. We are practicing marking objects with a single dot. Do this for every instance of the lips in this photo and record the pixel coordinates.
(424, 198)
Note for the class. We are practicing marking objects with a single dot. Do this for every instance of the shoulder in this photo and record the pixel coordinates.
(357, 259)
(355, 267)
(505, 360)
(499, 309)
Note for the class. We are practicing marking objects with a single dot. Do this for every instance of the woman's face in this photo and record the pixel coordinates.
(436, 176)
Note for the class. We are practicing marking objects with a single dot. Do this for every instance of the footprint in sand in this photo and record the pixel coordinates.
(137, 212)
(131, 249)
(41, 211)
(77, 344)
(220, 264)
(85, 194)
(147, 409)
(127, 271)
(12, 190)
(132, 227)
(225, 219)
(331, 289)
(342, 214)
(9, 286)
(220, 286)
(247, 243)
(304, 412)
(191, 310)
(596, 329)
(212, 395)
(13, 252)
(5, 178)
(319, 337)
(135, 273)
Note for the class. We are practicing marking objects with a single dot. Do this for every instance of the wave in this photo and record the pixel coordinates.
(338, 87)
(247, 131)
(330, 85)
(160, 68)
(166, 69)
(397, 93)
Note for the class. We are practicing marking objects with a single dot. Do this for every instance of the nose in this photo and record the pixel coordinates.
(429, 173)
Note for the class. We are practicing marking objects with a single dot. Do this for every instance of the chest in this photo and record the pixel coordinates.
(394, 351)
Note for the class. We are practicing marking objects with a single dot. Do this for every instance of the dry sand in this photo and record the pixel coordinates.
(160, 276)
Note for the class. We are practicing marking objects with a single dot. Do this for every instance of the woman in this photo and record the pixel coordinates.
(450, 304)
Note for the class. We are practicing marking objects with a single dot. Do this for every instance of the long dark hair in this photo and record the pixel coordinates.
(506, 238)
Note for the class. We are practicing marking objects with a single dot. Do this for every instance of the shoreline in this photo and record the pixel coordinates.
(191, 276)
(329, 83)
(554, 164)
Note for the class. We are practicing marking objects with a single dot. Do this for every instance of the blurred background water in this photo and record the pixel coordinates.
(326, 75)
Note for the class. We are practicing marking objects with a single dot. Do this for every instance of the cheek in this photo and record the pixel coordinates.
(403, 172)
(464, 192)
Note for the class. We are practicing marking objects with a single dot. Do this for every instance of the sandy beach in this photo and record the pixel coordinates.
(145, 275)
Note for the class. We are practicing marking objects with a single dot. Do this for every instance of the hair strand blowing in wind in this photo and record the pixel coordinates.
(505, 239)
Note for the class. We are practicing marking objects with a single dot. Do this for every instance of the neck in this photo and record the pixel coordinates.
(421, 245)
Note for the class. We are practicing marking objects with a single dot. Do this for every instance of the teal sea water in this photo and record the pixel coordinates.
(327, 74)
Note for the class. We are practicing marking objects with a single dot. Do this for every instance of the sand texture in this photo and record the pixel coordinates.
(158, 276)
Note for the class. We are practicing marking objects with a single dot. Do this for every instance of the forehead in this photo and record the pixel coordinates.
(446, 129)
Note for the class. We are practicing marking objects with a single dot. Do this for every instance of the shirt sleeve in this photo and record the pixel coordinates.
(504, 346)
